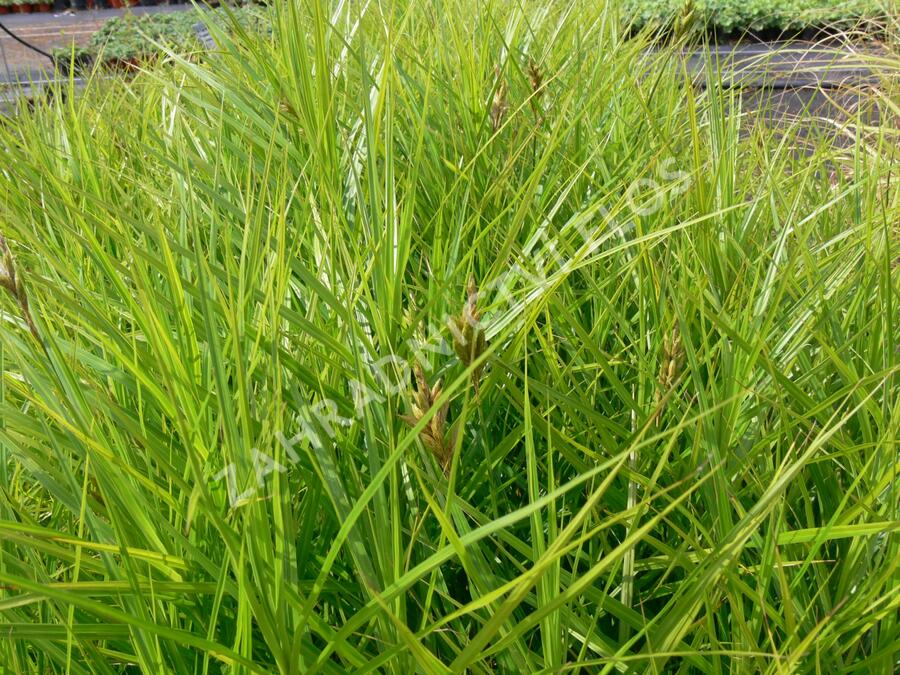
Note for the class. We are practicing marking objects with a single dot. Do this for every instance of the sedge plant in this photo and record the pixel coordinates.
(445, 336)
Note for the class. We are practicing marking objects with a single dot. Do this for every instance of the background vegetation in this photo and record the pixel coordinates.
(741, 15)
(138, 37)
(673, 448)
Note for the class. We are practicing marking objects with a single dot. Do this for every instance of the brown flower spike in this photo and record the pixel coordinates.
(435, 435)
(670, 365)
(468, 335)
(500, 104)
(536, 78)
(15, 286)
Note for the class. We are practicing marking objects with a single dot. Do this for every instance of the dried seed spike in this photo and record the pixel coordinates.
(535, 77)
(684, 22)
(285, 106)
(16, 287)
(470, 311)
(410, 420)
(472, 291)
(7, 271)
(434, 436)
(7, 281)
(469, 340)
(672, 357)
(499, 105)
(671, 360)
(423, 393)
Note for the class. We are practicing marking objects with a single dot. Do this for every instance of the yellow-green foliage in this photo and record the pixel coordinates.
(445, 336)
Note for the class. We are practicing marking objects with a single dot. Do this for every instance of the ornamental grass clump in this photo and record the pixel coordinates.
(269, 428)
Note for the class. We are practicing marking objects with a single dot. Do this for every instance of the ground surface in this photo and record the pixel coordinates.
(822, 84)
(48, 31)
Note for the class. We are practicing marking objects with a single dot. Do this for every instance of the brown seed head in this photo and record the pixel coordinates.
(536, 78)
(15, 286)
(671, 361)
(435, 435)
(469, 341)
(500, 105)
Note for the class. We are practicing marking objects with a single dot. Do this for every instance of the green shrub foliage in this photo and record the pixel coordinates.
(739, 15)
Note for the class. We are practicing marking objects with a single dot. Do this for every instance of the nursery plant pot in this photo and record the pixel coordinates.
(115, 4)
(22, 8)
(44, 7)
